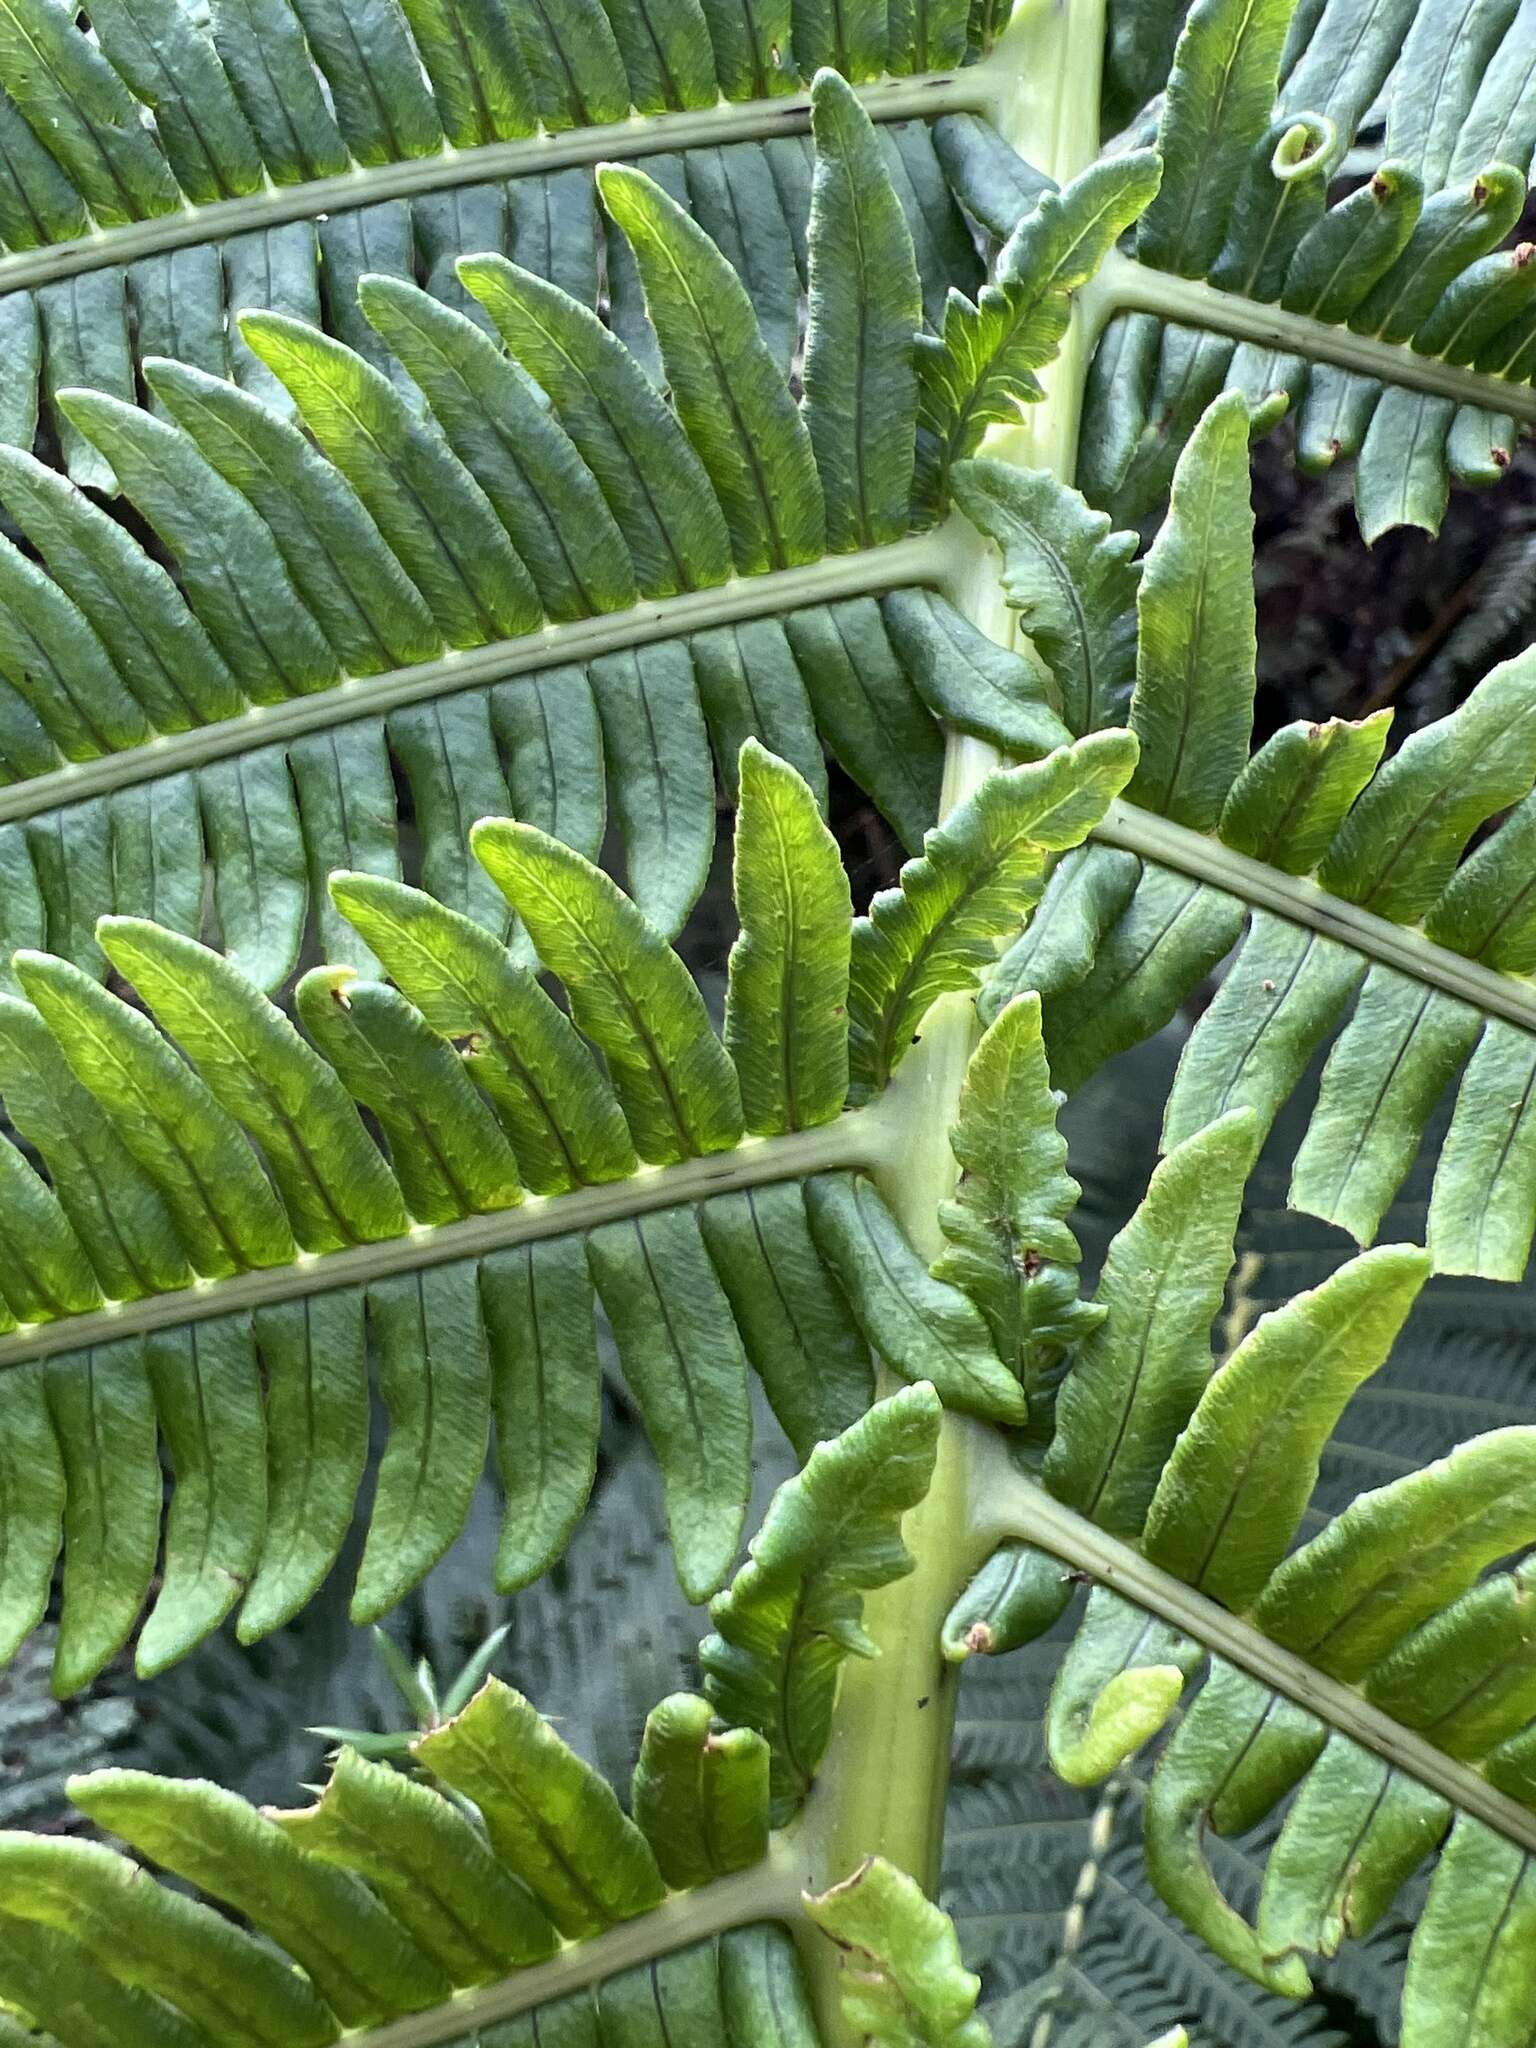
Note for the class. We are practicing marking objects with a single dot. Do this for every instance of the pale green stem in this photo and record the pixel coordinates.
(859, 1138)
(882, 1787)
(1018, 1510)
(1299, 899)
(1125, 286)
(940, 558)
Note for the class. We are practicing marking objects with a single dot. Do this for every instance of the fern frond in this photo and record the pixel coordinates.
(791, 1616)
(585, 524)
(981, 365)
(157, 113)
(1070, 578)
(979, 872)
(790, 959)
(503, 1848)
(701, 1795)
(1010, 1246)
(1049, 1892)
(87, 303)
(559, 747)
(1424, 378)
(243, 1159)
(1317, 1349)
(860, 370)
(1337, 877)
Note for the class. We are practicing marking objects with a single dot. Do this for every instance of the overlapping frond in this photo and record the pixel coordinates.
(980, 366)
(908, 1983)
(1262, 107)
(791, 1616)
(637, 741)
(393, 1891)
(154, 112)
(1403, 1683)
(102, 326)
(459, 1886)
(99, 325)
(427, 559)
(440, 1248)
(408, 511)
(1344, 882)
(517, 486)
(1048, 1887)
(744, 1987)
